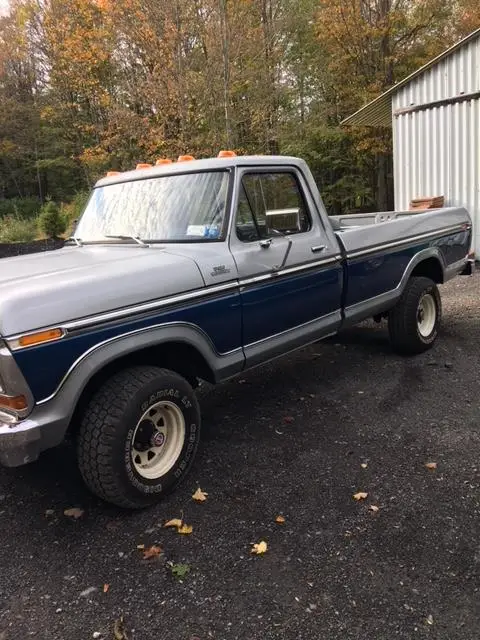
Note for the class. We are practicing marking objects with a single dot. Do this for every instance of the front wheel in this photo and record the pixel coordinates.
(413, 322)
(138, 436)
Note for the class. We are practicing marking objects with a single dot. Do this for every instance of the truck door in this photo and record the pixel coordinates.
(290, 273)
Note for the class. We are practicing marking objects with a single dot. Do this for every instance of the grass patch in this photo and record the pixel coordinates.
(16, 229)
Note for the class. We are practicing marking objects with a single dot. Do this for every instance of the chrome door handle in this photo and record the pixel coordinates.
(265, 244)
(318, 248)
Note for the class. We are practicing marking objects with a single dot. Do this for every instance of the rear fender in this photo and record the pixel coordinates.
(384, 302)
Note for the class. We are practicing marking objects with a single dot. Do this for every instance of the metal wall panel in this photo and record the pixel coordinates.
(437, 150)
(456, 74)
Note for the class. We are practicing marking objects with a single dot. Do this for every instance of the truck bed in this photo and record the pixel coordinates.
(364, 231)
(354, 220)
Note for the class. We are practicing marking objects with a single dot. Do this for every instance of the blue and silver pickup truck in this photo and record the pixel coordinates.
(188, 271)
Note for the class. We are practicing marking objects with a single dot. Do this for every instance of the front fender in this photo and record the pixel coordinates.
(104, 353)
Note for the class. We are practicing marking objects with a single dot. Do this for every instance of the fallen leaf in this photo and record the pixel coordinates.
(185, 529)
(279, 519)
(431, 465)
(176, 522)
(259, 548)
(106, 587)
(361, 495)
(199, 495)
(152, 552)
(140, 547)
(364, 465)
(374, 508)
(180, 570)
(288, 419)
(74, 512)
(119, 629)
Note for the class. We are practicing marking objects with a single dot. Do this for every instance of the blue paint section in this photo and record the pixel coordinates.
(278, 305)
(45, 366)
(453, 247)
(377, 273)
(372, 275)
(258, 312)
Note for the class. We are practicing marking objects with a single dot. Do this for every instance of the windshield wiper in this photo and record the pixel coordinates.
(78, 241)
(128, 237)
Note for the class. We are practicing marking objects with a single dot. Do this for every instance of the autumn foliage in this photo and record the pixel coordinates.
(92, 85)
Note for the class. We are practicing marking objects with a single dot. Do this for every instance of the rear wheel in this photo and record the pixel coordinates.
(413, 322)
(138, 436)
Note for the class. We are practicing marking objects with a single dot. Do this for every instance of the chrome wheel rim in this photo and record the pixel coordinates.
(158, 440)
(426, 315)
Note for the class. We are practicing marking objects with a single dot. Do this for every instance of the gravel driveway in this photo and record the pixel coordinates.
(298, 438)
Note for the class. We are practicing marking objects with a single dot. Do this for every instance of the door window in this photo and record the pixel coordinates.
(270, 203)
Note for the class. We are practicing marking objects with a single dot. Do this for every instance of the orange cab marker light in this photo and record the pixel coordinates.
(185, 158)
(161, 161)
(143, 165)
(226, 153)
(112, 173)
(17, 403)
(41, 336)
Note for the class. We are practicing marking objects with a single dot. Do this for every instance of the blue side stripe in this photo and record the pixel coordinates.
(44, 366)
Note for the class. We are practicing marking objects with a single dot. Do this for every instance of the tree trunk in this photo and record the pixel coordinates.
(226, 69)
(381, 195)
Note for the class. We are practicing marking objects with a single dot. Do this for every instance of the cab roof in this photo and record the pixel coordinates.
(195, 166)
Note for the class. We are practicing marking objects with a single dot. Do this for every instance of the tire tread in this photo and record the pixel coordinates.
(402, 319)
(98, 430)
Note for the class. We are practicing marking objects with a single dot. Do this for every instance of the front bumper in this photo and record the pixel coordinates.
(19, 444)
(23, 442)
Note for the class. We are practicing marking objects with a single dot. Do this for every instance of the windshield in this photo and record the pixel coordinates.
(173, 208)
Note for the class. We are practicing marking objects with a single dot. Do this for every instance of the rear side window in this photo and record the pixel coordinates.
(270, 202)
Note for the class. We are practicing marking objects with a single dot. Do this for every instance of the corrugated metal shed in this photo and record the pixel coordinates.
(435, 114)
(378, 112)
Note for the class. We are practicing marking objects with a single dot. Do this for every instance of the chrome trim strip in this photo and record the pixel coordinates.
(295, 328)
(136, 309)
(151, 306)
(107, 316)
(255, 279)
(411, 239)
(125, 335)
(309, 266)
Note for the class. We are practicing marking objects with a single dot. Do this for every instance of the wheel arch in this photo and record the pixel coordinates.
(182, 348)
(429, 264)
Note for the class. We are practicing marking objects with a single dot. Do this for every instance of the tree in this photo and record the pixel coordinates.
(89, 85)
(370, 45)
(51, 221)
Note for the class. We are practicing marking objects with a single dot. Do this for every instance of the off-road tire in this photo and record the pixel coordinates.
(106, 432)
(403, 324)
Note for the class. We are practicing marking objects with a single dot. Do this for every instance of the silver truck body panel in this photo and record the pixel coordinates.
(235, 303)
(51, 288)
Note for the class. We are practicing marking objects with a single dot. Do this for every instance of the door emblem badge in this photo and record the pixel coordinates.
(220, 270)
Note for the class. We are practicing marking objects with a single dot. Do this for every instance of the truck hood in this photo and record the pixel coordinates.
(53, 287)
